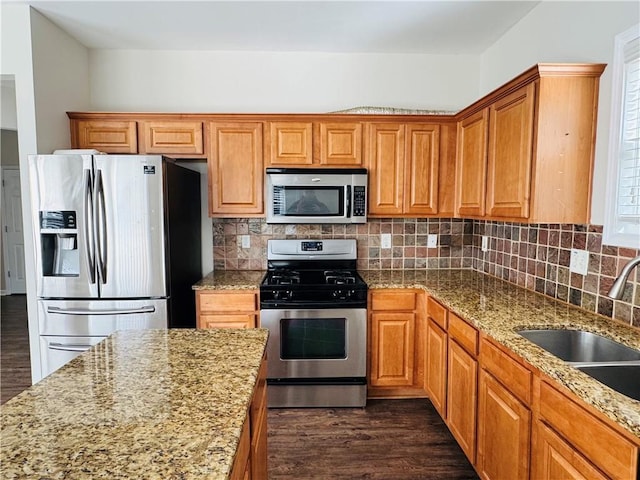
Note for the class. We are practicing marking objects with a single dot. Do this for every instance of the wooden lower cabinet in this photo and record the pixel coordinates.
(250, 462)
(554, 458)
(227, 309)
(436, 381)
(396, 346)
(504, 432)
(462, 387)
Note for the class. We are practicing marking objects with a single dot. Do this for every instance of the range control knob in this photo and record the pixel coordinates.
(342, 294)
(282, 294)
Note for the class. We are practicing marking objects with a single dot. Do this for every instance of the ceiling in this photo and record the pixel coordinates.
(425, 27)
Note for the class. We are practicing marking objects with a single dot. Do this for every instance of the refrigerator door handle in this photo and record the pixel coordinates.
(88, 225)
(110, 311)
(70, 347)
(100, 216)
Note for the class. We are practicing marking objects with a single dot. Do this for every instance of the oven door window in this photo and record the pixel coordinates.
(308, 201)
(313, 338)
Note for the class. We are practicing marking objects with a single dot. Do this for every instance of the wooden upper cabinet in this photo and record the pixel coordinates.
(291, 143)
(510, 154)
(235, 169)
(109, 136)
(403, 162)
(538, 160)
(422, 154)
(308, 144)
(340, 144)
(471, 164)
(171, 137)
(385, 161)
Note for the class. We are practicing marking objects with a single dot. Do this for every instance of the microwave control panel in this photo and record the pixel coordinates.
(359, 202)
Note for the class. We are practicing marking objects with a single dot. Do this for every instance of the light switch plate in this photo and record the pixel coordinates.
(579, 261)
(485, 243)
(432, 240)
(385, 240)
(245, 241)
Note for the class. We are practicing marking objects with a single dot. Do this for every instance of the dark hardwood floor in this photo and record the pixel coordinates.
(389, 439)
(15, 368)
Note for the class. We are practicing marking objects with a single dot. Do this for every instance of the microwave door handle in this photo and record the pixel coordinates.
(348, 201)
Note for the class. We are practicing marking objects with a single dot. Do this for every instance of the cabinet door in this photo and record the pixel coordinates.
(166, 137)
(553, 458)
(437, 367)
(421, 169)
(504, 432)
(385, 160)
(235, 170)
(107, 136)
(291, 143)
(462, 385)
(341, 144)
(392, 349)
(510, 154)
(471, 164)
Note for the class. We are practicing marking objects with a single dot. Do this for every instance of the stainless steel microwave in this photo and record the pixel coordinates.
(316, 195)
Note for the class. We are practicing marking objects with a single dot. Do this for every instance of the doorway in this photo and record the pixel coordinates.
(12, 233)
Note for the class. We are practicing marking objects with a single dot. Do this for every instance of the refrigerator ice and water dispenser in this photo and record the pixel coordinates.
(59, 243)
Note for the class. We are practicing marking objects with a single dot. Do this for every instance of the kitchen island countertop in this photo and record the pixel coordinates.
(141, 404)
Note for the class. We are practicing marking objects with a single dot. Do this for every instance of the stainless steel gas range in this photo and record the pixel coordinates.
(314, 304)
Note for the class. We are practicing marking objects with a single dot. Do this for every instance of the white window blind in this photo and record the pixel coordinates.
(622, 222)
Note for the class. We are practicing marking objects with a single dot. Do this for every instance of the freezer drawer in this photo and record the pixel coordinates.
(99, 317)
(57, 351)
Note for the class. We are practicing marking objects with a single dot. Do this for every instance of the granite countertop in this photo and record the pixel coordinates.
(231, 280)
(499, 308)
(141, 404)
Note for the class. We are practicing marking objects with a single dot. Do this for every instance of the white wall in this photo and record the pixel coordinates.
(60, 79)
(8, 117)
(207, 81)
(33, 50)
(565, 32)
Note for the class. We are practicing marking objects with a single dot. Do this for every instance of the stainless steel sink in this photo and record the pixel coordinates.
(578, 346)
(609, 362)
(624, 379)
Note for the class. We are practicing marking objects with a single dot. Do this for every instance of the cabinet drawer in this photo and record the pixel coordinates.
(463, 333)
(600, 444)
(437, 312)
(230, 320)
(227, 302)
(389, 300)
(507, 370)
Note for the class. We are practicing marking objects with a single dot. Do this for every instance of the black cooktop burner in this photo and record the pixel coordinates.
(286, 287)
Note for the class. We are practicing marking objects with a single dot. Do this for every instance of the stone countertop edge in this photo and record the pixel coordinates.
(140, 404)
(498, 308)
(231, 280)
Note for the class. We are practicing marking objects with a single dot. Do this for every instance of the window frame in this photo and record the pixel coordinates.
(616, 232)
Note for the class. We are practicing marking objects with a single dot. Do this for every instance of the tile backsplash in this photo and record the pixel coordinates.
(533, 256)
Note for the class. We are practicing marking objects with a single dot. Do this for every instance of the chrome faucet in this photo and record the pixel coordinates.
(617, 289)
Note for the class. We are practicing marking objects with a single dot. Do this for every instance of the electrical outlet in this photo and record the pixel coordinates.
(485, 243)
(245, 241)
(579, 261)
(385, 240)
(432, 240)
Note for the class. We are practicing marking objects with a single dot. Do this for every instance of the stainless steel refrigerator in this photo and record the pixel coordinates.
(118, 246)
